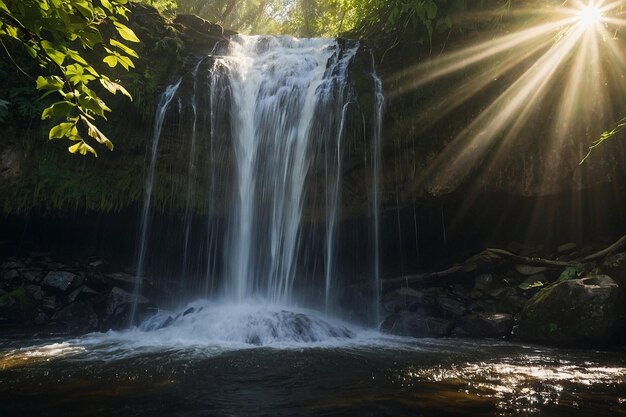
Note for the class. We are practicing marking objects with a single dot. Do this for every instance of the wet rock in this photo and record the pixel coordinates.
(49, 303)
(416, 325)
(32, 275)
(81, 293)
(488, 324)
(80, 317)
(10, 275)
(501, 292)
(615, 267)
(12, 264)
(122, 280)
(62, 280)
(483, 282)
(578, 312)
(530, 270)
(36, 292)
(118, 307)
(17, 306)
(475, 294)
(406, 299)
(452, 307)
(41, 318)
(190, 310)
(512, 304)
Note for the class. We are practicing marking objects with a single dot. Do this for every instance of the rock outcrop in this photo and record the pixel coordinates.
(578, 312)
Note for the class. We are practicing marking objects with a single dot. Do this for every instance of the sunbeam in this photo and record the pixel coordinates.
(567, 64)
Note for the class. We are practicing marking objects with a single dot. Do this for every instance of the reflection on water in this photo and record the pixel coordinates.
(116, 375)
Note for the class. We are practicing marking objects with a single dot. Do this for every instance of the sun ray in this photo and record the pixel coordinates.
(570, 61)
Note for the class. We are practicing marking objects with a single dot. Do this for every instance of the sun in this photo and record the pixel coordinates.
(589, 16)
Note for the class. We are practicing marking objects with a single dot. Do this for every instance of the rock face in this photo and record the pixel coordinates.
(416, 325)
(581, 312)
(77, 300)
(60, 280)
(615, 267)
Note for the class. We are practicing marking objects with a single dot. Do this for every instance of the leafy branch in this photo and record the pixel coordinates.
(59, 34)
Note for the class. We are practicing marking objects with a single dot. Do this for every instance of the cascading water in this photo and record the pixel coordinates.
(144, 226)
(278, 86)
(277, 113)
(379, 104)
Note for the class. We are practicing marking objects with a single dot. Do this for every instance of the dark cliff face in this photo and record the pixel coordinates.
(443, 188)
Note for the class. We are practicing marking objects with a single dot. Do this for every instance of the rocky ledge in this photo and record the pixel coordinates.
(576, 300)
(38, 293)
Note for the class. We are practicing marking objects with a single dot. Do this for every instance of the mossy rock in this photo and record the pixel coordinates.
(581, 312)
(18, 306)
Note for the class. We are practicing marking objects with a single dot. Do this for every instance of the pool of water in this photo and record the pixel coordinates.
(160, 373)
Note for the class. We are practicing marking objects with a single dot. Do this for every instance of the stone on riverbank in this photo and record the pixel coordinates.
(580, 312)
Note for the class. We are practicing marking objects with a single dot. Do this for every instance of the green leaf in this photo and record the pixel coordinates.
(60, 108)
(56, 55)
(4, 7)
(570, 273)
(113, 88)
(107, 5)
(82, 148)
(124, 48)
(76, 57)
(62, 130)
(84, 7)
(111, 60)
(125, 61)
(126, 32)
(431, 10)
(53, 83)
(93, 131)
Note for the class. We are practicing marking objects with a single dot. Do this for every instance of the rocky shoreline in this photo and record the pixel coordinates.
(487, 296)
(566, 302)
(37, 293)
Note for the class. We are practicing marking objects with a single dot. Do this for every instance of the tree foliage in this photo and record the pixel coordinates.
(67, 38)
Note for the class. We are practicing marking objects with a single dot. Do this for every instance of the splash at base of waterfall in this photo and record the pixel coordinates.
(250, 323)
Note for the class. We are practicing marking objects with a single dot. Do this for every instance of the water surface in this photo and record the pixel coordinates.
(162, 373)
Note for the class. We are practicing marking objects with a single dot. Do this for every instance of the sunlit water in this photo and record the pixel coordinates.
(258, 359)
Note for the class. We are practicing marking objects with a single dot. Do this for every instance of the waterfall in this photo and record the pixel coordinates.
(379, 104)
(267, 138)
(144, 225)
(278, 85)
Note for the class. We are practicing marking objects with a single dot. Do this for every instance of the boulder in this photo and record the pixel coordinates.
(580, 312)
(118, 307)
(35, 291)
(17, 306)
(408, 299)
(483, 282)
(62, 280)
(512, 304)
(79, 317)
(81, 293)
(10, 274)
(487, 324)
(49, 303)
(416, 325)
(615, 267)
(452, 307)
